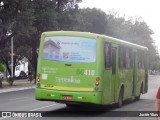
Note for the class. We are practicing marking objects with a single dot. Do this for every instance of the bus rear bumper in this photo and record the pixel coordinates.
(68, 96)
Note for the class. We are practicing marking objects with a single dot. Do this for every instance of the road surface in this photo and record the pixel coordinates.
(25, 101)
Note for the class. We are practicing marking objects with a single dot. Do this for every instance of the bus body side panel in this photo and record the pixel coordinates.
(126, 78)
(107, 90)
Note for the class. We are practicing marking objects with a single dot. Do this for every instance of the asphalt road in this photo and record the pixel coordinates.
(25, 101)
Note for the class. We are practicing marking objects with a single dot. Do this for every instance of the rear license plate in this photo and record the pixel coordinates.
(66, 97)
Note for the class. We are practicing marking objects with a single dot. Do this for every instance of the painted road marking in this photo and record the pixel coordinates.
(19, 98)
(42, 107)
(16, 89)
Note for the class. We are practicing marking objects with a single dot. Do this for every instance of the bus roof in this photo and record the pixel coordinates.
(125, 43)
(94, 35)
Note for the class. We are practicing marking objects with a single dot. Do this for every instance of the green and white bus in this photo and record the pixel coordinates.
(87, 68)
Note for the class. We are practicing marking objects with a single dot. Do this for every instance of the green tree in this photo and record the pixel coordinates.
(92, 20)
(2, 67)
(16, 19)
(8, 11)
(48, 17)
(26, 20)
(132, 30)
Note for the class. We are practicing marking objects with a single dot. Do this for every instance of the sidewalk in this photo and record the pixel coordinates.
(17, 85)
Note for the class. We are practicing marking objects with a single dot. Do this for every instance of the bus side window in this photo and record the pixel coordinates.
(141, 57)
(125, 57)
(131, 58)
(142, 60)
(120, 56)
(145, 60)
(107, 52)
(128, 58)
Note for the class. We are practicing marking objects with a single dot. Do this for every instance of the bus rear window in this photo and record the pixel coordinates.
(69, 49)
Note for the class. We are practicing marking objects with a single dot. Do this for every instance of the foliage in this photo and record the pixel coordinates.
(92, 20)
(132, 30)
(27, 19)
(2, 67)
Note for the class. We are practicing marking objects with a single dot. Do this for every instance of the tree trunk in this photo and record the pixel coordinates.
(35, 64)
(1, 83)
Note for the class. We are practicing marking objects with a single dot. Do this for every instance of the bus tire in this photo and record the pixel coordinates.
(120, 99)
(72, 105)
(137, 98)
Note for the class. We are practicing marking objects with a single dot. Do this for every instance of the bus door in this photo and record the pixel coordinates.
(113, 80)
(110, 72)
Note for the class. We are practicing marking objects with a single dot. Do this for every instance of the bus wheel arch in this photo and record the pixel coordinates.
(120, 96)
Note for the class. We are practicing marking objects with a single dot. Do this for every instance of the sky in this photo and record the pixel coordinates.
(147, 10)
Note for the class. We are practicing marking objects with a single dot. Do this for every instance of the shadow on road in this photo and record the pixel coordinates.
(74, 112)
(94, 111)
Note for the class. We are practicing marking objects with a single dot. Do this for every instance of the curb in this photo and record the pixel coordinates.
(16, 89)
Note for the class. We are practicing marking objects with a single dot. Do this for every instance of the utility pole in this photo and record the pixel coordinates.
(12, 57)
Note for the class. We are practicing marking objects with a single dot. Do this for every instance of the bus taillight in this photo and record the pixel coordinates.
(97, 83)
(97, 78)
(38, 75)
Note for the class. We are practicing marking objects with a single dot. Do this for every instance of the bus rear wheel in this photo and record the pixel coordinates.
(120, 99)
(72, 105)
(138, 97)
